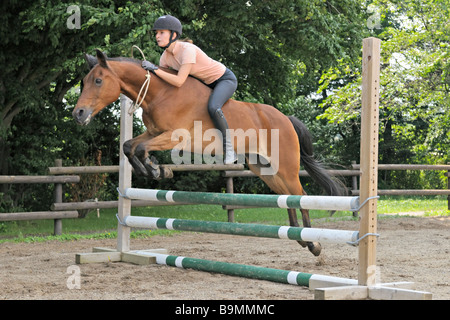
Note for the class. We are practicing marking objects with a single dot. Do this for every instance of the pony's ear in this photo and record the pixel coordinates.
(91, 60)
(101, 57)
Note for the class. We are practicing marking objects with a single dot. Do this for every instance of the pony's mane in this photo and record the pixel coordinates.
(135, 61)
(139, 63)
(125, 59)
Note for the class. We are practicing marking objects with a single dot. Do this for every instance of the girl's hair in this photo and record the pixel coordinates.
(187, 40)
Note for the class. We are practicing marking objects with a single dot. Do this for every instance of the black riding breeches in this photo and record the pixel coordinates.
(223, 89)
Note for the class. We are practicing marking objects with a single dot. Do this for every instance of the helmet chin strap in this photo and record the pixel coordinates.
(171, 39)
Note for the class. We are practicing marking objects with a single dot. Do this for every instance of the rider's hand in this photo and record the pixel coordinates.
(147, 65)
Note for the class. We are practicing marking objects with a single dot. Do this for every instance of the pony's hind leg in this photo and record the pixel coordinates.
(294, 186)
(284, 183)
(314, 247)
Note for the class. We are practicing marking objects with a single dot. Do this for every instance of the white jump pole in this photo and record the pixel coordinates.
(258, 200)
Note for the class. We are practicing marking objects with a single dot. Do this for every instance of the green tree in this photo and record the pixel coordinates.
(414, 113)
(42, 59)
(42, 53)
(278, 50)
(270, 45)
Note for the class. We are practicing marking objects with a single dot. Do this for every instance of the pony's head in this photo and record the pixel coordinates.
(101, 87)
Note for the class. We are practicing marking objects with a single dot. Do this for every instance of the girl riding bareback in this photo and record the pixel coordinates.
(188, 59)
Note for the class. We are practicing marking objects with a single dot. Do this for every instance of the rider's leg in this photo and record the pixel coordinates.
(223, 91)
(229, 156)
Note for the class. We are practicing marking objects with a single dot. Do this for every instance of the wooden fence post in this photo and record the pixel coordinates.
(448, 187)
(230, 189)
(57, 226)
(355, 186)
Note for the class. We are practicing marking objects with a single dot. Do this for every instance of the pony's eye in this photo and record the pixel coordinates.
(98, 81)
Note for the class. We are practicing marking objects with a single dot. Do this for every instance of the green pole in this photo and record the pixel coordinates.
(234, 269)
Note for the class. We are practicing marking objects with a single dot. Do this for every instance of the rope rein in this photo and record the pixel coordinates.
(146, 84)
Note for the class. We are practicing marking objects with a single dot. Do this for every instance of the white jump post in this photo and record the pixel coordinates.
(365, 287)
(369, 159)
(369, 174)
(125, 174)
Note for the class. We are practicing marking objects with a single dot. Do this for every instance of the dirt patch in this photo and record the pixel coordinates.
(409, 249)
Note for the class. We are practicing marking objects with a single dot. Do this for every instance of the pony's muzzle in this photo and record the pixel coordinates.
(82, 116)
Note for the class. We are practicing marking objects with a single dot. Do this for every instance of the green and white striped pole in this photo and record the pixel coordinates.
(246, 271)
(259, 200)
(245, 229)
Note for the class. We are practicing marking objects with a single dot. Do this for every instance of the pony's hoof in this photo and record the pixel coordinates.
(156, 174)
(166, 173)
(151, 165)
(315, 248)
(139, 168)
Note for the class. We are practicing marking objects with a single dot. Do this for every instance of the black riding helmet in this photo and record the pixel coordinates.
(170, 23)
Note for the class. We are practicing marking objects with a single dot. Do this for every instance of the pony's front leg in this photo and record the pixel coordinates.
(129, 148)
(158, 143)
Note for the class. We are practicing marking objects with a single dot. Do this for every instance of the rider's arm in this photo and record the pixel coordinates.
(177, 79)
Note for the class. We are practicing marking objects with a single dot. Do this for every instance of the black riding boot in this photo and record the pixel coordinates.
(229, 156)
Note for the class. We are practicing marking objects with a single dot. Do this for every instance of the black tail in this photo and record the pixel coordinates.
(314, 168)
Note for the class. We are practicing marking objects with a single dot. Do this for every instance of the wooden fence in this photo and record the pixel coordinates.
(43, 215)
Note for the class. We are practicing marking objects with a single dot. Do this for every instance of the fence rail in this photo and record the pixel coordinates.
(91, 205)
(301, 173)
(409, 192)
(114, 169)
(435, 167)
(38, 215)
(38, 179)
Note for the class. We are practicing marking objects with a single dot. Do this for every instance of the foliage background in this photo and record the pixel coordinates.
(303, 57)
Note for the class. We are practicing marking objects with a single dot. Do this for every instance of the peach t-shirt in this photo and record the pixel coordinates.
(203, 68)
